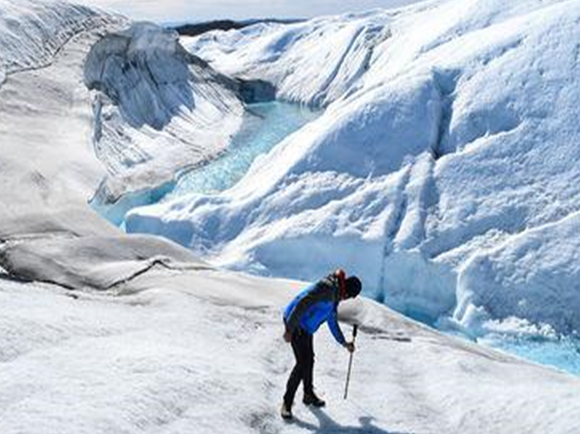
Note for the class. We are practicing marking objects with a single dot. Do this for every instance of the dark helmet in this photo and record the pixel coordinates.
(353, 286)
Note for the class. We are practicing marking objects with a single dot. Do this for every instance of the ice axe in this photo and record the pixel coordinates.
(354, 330)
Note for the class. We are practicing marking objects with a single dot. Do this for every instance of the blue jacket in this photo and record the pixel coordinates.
(313, 306)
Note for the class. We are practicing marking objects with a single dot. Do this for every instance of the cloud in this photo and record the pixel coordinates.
(182, 10)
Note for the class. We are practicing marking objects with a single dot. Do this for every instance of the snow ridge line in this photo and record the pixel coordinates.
(87, 25)
(324, 88)
(163, 262)
(7, 242)
(373, 36)
(8, 275)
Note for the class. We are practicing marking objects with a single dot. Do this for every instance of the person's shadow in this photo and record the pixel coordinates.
(329, 426)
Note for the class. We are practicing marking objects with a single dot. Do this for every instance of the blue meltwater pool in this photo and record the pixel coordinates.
(561, 353)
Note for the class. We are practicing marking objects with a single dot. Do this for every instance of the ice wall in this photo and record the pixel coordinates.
(158, 109)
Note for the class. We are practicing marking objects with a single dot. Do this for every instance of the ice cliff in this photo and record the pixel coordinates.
(158, 109)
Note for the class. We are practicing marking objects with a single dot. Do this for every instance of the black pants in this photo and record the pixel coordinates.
(302, 347)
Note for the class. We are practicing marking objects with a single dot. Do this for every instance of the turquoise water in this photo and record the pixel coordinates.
(273, 121)
(561, 353)
(268, 125)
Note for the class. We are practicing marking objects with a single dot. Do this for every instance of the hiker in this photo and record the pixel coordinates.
(302, 317)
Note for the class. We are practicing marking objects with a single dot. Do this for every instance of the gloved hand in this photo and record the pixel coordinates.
(287, 336)
(349, 346)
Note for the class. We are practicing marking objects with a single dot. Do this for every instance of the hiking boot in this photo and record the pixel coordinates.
(286, 411)
(312, 399)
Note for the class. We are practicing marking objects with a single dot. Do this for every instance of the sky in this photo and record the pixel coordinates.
(201, 10)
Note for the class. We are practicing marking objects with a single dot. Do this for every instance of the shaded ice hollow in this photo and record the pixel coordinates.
(158, 109)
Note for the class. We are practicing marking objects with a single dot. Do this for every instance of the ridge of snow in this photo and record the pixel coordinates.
(32, 31)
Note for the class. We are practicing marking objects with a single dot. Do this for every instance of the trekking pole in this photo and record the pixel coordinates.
(354, 330)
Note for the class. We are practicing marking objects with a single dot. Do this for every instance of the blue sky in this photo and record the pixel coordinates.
(197, 10)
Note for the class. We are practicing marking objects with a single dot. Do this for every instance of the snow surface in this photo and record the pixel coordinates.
(182, 355)
(313, 62)
(444, 170)
(47, 160)
(32, 32)
(48, 165)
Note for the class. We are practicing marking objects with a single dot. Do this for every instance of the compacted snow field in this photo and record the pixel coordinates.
(442, 171)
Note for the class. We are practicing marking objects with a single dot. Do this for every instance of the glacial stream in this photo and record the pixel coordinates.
(269, 124)
(274, 121)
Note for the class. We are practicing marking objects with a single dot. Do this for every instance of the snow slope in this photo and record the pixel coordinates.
(444, 170)
(32, 32)
(182, 355)
(49, 167)
(47, 159)
(313, 62)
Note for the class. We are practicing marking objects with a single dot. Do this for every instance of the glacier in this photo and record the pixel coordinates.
(443, 170)
(107, 332)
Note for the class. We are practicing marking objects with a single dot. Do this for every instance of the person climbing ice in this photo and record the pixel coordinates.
(302, 317)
